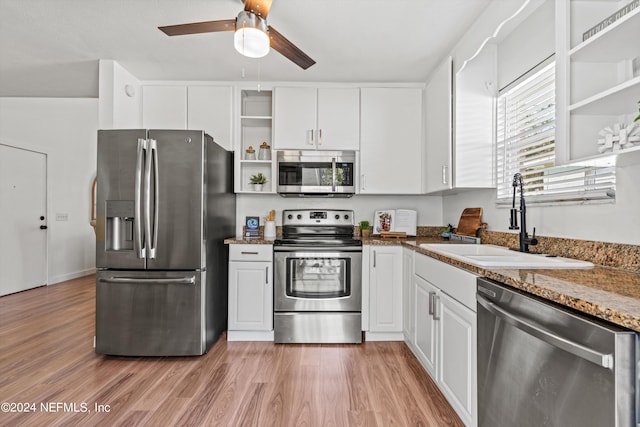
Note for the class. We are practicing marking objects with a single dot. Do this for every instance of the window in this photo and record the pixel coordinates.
(526, 145)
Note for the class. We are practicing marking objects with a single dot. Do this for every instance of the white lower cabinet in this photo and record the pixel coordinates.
(250, 292)
(445, 331)
(457, 368)
(384, 284)
(408, 325)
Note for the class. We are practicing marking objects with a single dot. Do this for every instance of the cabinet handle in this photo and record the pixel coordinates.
(266, 277)
(311, 141)
(431, 297)
(436, 315)
(444, 174)
(319, 136)
(249, 253)
(374, 259)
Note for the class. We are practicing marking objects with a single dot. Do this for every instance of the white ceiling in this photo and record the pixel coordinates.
(52, 47)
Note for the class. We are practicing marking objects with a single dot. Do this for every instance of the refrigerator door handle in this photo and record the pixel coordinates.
(191, 280)
(153, 145)
(147, 202)
(138, 220)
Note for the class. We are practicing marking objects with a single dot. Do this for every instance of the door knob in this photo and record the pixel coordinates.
(43, 227)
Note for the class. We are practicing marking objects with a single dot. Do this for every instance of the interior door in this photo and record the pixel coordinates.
(23, 197)
(180, 196)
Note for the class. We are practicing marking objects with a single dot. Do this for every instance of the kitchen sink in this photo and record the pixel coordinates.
(499, 256)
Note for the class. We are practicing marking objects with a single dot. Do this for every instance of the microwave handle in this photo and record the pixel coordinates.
(333, 174)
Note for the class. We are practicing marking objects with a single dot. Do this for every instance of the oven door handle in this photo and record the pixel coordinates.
(314, 251)
(593, 356)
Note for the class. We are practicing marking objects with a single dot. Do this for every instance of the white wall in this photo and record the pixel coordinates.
(429, 208)
(65, 129)
(120, 95)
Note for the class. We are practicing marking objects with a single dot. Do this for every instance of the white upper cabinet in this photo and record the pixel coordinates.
(597, 73)
(316, 118)
(438, 128)
(209, 109)
(391, 149)
(206, 108)
(164, 107)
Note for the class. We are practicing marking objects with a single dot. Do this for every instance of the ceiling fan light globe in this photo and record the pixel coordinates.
(251, 42)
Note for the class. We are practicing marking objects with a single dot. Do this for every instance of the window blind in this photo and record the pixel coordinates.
(526, 145)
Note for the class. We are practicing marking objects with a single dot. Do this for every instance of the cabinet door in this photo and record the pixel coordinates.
(457, 357)
(294, 118)
(391, 141)
(426, 327)
(338, 119)
(408, 295)
(250, 296)
(164, 107)
(385, 287)
(209, 109)
(438, 128)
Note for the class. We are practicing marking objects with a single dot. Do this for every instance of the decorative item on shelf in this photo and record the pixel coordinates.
(270, 225)
(365, 229)
(250, 153)
(258, 181)
(618, 138)
(265, 151)
(447, 231)
(610, 19)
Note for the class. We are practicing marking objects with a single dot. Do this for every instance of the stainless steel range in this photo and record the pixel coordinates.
(317, 278)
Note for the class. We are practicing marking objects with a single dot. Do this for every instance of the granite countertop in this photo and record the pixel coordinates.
(611, 294)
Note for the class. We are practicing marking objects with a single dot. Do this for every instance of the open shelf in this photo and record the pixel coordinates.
(615, 43)
(618, 100)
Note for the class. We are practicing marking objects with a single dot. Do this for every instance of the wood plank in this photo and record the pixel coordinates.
(46, 355)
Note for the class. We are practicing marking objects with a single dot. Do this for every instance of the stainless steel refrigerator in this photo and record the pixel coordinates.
(165, 203)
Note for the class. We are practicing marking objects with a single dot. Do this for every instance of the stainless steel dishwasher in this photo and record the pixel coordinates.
(542, 365)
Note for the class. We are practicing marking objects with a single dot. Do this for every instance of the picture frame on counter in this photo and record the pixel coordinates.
(252, 227)
(395, 220)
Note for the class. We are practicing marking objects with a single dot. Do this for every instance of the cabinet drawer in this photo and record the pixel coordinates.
(457, 283)
(250, 252)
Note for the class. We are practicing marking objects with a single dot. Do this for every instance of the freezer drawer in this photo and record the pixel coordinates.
(151, 313)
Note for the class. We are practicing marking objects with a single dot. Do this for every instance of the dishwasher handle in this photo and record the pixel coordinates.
(604, 360)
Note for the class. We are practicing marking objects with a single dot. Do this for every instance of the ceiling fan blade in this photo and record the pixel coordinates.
(289, 50)
(199, 27)
(259, 7)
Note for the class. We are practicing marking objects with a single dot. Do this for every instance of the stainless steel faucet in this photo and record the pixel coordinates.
(525, 240)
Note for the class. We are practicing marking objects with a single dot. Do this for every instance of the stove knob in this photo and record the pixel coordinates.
(346, 217)
(299, 216)
(289, 216)
(337, 216)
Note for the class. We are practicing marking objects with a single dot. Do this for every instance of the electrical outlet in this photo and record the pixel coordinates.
(62, 217)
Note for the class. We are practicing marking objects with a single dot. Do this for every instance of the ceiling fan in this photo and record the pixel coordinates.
(253, 36)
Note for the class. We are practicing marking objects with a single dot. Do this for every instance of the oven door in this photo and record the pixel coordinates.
(301, 173)
(317, 280)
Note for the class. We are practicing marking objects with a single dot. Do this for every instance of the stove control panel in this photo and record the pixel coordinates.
(317, 217)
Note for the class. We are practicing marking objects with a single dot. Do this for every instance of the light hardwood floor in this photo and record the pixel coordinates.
(47, 358)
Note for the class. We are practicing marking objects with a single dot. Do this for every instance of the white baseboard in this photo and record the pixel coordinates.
(68, 276)
(250, 336)
(384, 336)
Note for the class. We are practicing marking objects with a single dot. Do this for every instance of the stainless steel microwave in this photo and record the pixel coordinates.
(316, 173)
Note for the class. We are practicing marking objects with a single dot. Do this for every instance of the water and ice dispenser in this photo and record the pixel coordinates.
(120, 217)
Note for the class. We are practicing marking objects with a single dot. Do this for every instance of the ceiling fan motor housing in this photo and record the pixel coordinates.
(251, 37)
